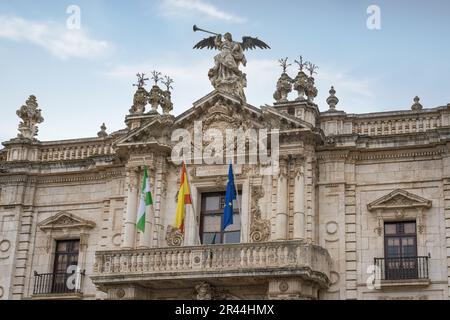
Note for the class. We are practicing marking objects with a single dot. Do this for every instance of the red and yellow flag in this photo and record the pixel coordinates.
(184, 198)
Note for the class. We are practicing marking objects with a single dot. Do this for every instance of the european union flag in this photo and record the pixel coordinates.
(229, 197)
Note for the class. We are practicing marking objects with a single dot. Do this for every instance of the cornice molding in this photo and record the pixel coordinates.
(358, 155)
(62, 178)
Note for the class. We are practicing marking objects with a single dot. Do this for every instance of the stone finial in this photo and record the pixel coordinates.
(332, 100)
(300, 81)
(31, 116)
(139, 101)
(155, 95)
(140, 96)
(166, 96)
(102, 133)
(284, 83)
(416, 105)
(311, 90)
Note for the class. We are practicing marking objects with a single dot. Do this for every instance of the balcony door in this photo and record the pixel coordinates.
(400, 250)
(213, 204)
(66, 255)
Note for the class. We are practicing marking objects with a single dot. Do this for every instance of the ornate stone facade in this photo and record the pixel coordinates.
(311, 231)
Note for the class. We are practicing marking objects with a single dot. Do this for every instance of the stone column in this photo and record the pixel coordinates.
(130, 218)
(299, 203)
(282, 202)
(191, 220)
(245, 211)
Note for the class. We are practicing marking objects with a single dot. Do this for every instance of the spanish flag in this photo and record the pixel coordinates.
(184, 198)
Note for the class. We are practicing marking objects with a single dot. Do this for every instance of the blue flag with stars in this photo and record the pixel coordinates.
(229, 197)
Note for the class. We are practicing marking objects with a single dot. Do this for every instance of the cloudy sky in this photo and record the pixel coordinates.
(83, 77)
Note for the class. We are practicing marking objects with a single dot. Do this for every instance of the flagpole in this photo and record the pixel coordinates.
(194, 216)
(237, 191)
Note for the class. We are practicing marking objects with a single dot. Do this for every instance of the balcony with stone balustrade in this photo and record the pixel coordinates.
(222, 265)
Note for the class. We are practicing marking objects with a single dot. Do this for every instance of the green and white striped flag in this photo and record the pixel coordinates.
(146, 201)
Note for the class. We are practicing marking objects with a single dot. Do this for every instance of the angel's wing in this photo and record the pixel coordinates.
(252, 43)
(206, 43)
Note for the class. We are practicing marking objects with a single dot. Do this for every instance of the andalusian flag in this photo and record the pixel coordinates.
(184, 198)
(146, 201)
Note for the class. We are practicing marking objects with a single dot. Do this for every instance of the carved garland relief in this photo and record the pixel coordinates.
(260, 228)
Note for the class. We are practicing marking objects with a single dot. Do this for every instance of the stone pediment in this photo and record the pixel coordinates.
(65, 220)
(217, 110)
(214, 108)
(399, 199)
(218, 107)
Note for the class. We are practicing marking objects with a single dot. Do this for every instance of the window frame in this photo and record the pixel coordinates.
(73, 254)
(218, 212)
(400, 235)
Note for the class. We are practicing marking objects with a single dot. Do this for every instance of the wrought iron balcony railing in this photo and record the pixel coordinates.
(402, 268)
(57, 283)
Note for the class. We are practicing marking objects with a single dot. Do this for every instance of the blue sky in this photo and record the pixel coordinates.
(84, 77)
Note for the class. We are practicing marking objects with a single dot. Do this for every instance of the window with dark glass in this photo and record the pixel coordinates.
(212, 218)
(66, 255)
(400, 239)
(400, 242)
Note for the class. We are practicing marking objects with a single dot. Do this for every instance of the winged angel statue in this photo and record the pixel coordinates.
(225, 76)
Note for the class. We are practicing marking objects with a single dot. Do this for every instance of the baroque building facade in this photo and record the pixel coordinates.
(360, 207)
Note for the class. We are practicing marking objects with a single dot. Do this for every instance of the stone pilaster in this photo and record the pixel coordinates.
(130, 214)
(299, 201)
(246, 211)
(282, 202)
(350, 242)
(310, 199)
(25, 216)
(446, 192)
(159, 200)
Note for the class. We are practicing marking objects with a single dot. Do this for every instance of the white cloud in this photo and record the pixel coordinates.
(356, 94)
(59, 41)
(192, 83)
(183, 7)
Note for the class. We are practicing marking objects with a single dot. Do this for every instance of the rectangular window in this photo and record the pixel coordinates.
(400, 242)
(213, 204)
(400, 239)
(66, 255)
